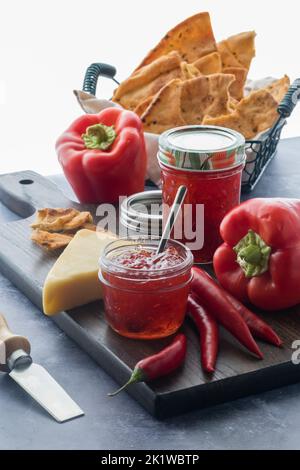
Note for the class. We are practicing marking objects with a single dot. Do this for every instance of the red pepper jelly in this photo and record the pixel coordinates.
(209, 161)
(145, 294)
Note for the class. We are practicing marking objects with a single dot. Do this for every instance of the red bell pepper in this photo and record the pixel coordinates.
(103, 155)
(259, 261)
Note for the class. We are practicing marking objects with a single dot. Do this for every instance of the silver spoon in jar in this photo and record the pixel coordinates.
(173, 214)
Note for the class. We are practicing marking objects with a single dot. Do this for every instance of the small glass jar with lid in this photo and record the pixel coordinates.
(145, 294)
(209, 161)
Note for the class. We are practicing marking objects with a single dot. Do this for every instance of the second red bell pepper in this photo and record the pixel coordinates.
(260, 258)
(103, 155)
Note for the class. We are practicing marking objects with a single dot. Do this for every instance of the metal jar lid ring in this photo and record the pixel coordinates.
(201, 148)
(136, 212)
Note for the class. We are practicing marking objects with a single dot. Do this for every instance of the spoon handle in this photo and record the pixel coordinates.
(174, 211)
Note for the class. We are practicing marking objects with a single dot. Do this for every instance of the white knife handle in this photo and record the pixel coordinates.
(10, 343)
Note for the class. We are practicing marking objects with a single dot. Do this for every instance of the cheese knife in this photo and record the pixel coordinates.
(34, 379)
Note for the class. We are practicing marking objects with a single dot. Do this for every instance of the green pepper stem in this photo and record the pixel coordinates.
(99, 137)
(137, 376)
(253, 254)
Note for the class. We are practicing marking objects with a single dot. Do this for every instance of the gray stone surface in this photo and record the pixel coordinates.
(267, 421)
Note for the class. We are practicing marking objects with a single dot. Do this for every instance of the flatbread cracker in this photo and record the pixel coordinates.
(193, 38)
(236, 89)
(141, 107)
(189, 71)
(279, 88)
(206, 95)
(164, 111)
(50, 241)
(254, 114)
(61, 220)
(148, 80)
(187, 102)
(209, 64)
(238, 50)
(53, 218)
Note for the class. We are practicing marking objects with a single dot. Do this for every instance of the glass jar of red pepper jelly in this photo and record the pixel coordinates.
(208, 160)
(145, 294)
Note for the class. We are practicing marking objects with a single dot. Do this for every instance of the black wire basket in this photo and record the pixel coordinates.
(259, 152)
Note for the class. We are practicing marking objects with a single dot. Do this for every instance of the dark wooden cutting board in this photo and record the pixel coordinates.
(237, 374)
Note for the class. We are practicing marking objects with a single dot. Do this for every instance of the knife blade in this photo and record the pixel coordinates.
(33, 378)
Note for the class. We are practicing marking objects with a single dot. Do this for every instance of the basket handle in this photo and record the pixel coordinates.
(93, 72)
(290, 100)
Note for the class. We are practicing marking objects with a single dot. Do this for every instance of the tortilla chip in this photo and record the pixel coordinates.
(193, 38)
(164, 112)
(238, 50)
(236, 89)
(205, 95)
(254, 114)
(209, 64)
(279, 88)
(61, 220)
(187, 102)
(147, 81)
(50, 241)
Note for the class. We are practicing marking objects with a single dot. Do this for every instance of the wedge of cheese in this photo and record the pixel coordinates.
(73, 280)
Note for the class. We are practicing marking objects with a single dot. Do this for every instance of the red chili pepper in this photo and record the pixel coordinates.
(209, 333)
(256, 325)
(212, 296)
(163, 363)
(103, 155)
(259, 260)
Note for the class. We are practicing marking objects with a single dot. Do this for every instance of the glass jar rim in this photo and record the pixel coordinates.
(136, 241)
(165, 139)
(197, 159)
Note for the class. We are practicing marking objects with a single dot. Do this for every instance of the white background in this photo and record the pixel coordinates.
(45, 47)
